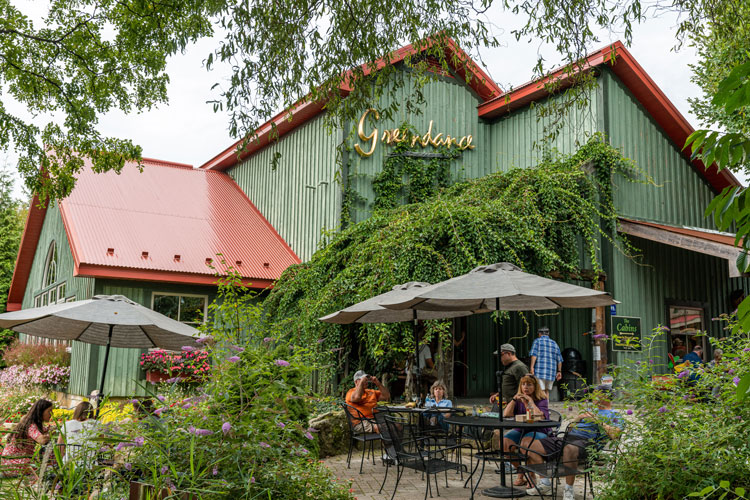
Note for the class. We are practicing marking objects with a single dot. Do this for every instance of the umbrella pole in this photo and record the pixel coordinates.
(499, 355)
(104, 373)
(416, 352)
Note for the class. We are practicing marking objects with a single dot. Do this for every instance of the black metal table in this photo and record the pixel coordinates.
(493, 423)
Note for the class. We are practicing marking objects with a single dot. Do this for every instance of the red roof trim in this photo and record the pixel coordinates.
(94, 271)
(635, 78)
(26, 250)
(304, 111)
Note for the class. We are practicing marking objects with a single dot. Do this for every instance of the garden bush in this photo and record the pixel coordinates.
(693, 437)
(20, 353)
(50, 377)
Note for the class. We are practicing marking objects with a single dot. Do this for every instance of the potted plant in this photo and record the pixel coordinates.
(157, 365)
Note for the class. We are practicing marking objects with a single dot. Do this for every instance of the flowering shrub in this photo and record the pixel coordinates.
(19, 353)
(190, 365)
(44, 376)
(688, 436)
(14, 404)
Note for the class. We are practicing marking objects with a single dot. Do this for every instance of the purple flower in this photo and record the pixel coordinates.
(736, 380)
(128, 466)
(746, 349)
(237, 348)
(172, 380)
(226, 427)
(686, 398)
(122, 445)
(233, 359)
(312, 429)
(663, 409)
(139, 441)
(310, 436)
(134, 401)
(203, 340)
(159, 411)
(304, 451)
(160, 397)
(683, 374)
(252, 479)
(267, 339)
(187, 406)
(281, 362)
(203, 432)
(188, 348)
(281, 425)
(629, 412)
(650, 361)
(263, 444)
(662, 328)
(215, 471)
(320, 341)
(730, 371)
(600, 336)
(164, 470)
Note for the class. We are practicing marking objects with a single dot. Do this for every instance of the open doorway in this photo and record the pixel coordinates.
(685, 324)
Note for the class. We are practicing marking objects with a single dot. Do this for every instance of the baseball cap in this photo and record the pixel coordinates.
(507, 348)
(360, 374)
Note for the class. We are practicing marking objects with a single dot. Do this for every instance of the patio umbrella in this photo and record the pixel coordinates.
(111, 320)
(503, 287)
(370, 311)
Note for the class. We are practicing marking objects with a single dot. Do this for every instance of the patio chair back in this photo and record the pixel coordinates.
(396, 427)
(354, 417)
(555, 416)
(385, 434)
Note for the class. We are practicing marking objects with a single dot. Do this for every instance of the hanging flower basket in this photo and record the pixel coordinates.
(156, 376)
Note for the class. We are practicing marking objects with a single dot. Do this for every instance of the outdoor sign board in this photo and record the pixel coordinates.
(626, 333)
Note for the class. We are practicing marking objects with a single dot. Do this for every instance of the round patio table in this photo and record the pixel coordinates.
(493, 423)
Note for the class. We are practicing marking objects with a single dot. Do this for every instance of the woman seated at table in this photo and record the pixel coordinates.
(76, 432)
(29, 432)
(437, 400)
(529, 397)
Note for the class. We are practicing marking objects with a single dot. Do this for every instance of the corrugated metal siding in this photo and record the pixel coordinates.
(452, 108)
(123, 372)
(683, 195)
(511, 139)
(669, 273)
(300, 198)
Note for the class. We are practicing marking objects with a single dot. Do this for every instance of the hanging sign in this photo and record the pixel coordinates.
(626, 333)
(392, 137)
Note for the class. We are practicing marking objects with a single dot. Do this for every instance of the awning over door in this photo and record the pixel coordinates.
(704, 241)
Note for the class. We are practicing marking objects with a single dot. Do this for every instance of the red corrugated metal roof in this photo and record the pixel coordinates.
(170, 219)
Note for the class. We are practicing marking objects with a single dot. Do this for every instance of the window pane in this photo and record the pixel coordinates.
(191, 309)
(61, 293)
(166, 305)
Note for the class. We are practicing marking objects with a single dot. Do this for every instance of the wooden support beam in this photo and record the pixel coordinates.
(686, 242)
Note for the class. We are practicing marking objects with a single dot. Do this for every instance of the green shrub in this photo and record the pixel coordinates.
(690, 437)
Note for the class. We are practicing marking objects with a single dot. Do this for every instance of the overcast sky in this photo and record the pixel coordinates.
(187, 130)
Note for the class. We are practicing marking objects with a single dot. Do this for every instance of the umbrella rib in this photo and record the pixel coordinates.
(147, 335)
(556, 303)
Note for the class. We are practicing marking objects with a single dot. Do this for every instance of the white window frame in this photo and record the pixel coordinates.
(38, 300)
(71, 299)
(51, 253)
(170, 294)
(61, 289)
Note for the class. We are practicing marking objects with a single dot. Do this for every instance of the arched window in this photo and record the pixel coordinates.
(50, 266)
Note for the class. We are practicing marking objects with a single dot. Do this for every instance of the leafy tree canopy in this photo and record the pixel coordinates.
(90, 56)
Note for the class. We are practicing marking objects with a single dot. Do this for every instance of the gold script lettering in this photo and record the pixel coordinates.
(372, 137)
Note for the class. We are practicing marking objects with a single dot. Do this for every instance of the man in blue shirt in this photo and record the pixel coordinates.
(589, 429)
(695, 357)
(546, 360)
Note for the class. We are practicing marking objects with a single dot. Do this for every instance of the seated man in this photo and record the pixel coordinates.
(364, 399)
(590, 429)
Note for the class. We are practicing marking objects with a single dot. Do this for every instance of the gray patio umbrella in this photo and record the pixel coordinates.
(370, 311)
(111, 320)
(503, 287)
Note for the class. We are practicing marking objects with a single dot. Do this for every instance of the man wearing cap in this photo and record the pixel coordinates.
(589, 430)
(514, 371)
(364, 399)
(546, 360)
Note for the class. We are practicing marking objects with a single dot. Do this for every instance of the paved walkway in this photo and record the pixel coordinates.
(365, 486)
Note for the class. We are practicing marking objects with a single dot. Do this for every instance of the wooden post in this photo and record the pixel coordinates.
(600, 343)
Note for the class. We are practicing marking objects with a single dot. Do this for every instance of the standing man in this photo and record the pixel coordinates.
(546, 360)
(511, 377)
(364, 399)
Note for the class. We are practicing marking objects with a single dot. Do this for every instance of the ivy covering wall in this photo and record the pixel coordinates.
(550, 218)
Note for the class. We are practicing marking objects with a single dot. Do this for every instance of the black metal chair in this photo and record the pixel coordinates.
(418, 455)
(357, 432)
(553, 466)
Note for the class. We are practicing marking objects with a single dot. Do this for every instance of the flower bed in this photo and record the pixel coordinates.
(45, 376)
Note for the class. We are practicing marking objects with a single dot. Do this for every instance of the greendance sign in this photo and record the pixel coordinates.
(397, 135)
(626, 333)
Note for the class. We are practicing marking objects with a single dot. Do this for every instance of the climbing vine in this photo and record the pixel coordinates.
(550, 218)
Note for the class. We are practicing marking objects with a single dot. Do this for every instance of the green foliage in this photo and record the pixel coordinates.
(12, 218)
(688, 438)
(549, 218)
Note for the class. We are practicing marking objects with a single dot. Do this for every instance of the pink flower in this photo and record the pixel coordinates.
(203, 340)
(282, 424)
(267, 339)
(236, 348)
(188, 348)
(215, 470)
(263, 444)
(736, 380)
(310, 436)
(281, 362)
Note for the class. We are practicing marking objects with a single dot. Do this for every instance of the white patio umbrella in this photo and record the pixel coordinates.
(370, 311)
(111, 320)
